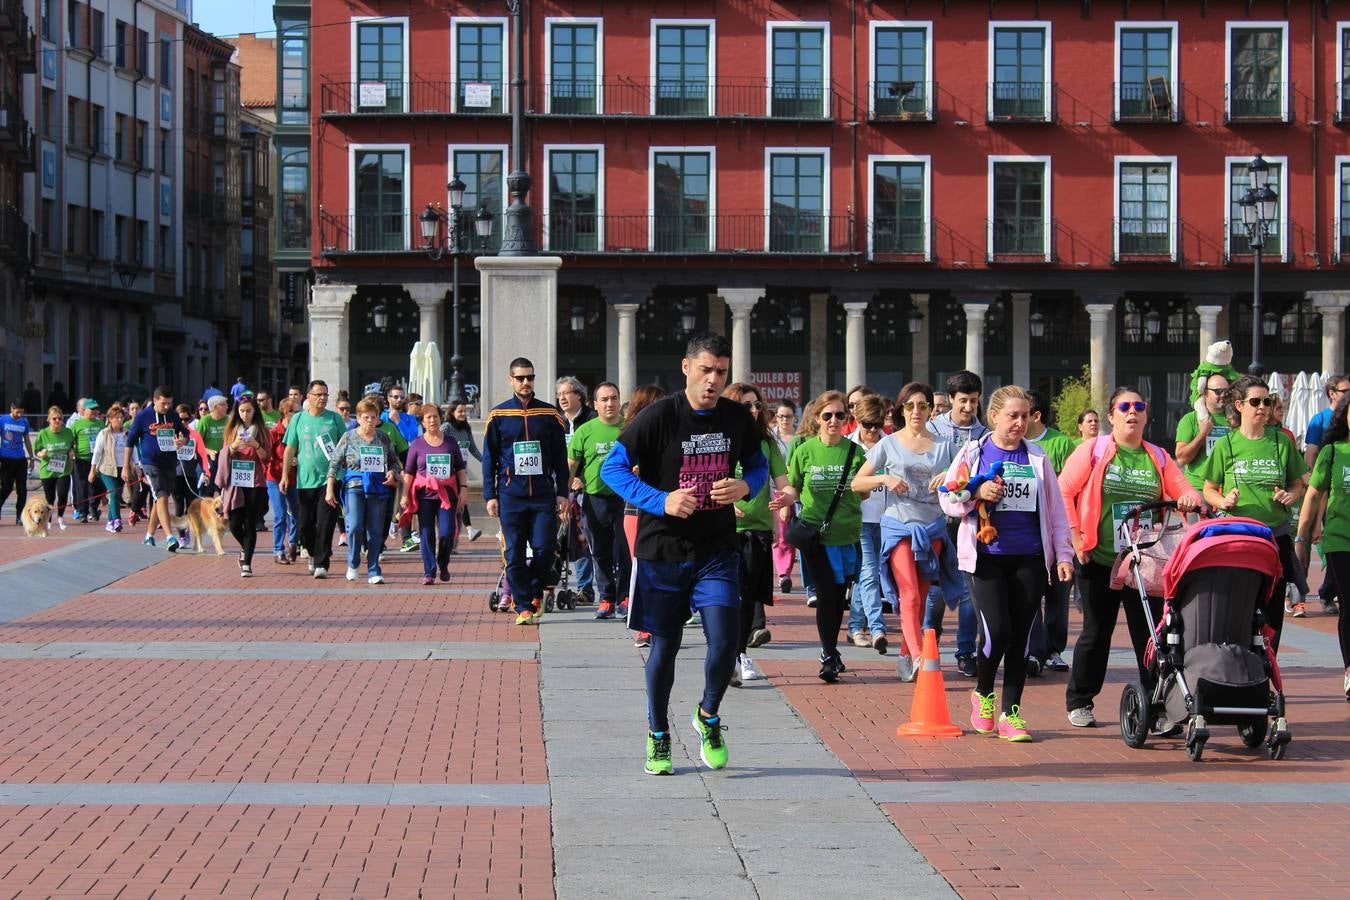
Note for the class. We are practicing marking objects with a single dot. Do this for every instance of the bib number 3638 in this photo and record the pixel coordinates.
(529, 458)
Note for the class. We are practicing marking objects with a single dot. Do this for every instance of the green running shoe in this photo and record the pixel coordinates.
(713, 749)
(658, 755)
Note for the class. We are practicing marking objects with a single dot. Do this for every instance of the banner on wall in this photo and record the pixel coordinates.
(775, 386)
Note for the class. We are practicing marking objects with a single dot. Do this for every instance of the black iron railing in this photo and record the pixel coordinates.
(1021, 239)
(1021, 101)
(1260, 101)
(1141, 101)
(904, 101)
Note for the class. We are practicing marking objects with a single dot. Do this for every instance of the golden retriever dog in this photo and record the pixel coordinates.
(203, 518)
(34, 517)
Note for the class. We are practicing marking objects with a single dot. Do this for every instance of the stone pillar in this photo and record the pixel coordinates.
(329, 334)
(976, 310)
(855, 337)
(519, 317)
(1101, 309)
(919, 343)
(818, 326)
(717, 314)
(430, 300)
(1331, 305)
(625, 315)
(741, 302)
(1209, 325)
(1021, 339)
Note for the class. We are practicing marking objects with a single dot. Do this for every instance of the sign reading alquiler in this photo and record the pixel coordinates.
(775, 386)
(373, 93)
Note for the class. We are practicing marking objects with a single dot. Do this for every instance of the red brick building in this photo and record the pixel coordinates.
(808, 174)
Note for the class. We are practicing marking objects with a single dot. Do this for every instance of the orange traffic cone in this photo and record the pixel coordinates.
(928, 716)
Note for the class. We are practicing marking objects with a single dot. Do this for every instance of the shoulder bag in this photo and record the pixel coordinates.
(805, 536)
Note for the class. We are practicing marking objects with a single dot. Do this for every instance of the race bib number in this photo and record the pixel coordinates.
(326, 445)
(56, 464)
(1019, 489)
(372, 460)
(438, 465)
(1217, 432)
(243, 473)
(1118, 513)
(529, 458)
(186, 453)
(164, 438)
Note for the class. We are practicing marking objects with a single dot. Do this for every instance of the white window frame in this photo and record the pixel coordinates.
(783, 25)
(927, 162)
(599, 23)
(455, 22)
(352, 151)
(1342, 32)
(711, 25)
(1176, 78)
(1048, 209)
(887, 25)
(357, 22)
(826, 171)
(1244, 25)
(711, 153)
(1282, 189)
(503, 149)
(1173, 217)
(1341, 161)
(599, 150)
(1048, 88)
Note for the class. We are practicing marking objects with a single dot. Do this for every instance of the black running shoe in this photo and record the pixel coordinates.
(829, 669)
(965, 664)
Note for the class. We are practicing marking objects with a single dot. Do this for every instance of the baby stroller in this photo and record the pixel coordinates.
(571, 547)
(1209, 660)
(558, 594)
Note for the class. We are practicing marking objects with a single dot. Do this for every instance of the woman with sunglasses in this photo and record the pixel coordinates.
(1009, 573)
(241, 476)
(808, 428)
(866, 622)
(814, 473)
(1102, 481)
(907, 466)
(1256, 471)
(783, 429)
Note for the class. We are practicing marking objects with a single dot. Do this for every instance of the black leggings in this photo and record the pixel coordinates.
(1101, 609)
(14, 478)
(57, 492)
(756, 582)
(244, 521)
(719, 629)
(1007, 591)
(830, 602)
(1338, 565)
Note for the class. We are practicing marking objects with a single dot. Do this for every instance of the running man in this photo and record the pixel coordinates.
(154, 436)
(686, 448)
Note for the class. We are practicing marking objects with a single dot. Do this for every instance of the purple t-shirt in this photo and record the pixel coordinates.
(418, 452)
(1016, 515)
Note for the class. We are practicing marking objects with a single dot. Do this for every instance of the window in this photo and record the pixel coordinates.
(900, 66)
(120, 239)
(120, 137)
(1145, 55)
(293, 172)
(141, 250)
(96, 40)
(142, 136)
(1256, 88)
(165, 154)
(76, 24)
(573, 199)
(1019, 207)
(294, 71)
(481, 172)
(900, 207)
(120, 43)
(796, 201)
(683, 60)
(74, 229)
(1145, 208)
(380, 208)
(1343, 208)
(49, 225)
(797, 67)
(1020, 65)
(574, 68)
(48, 27)
(681, 200)
(96, 220)
(379, 65)
(49, 117)
(479, 52)
(96, 128)
(166, 61)
(77, 129)
(1275, 244)
(1343, 68)
(142, 51)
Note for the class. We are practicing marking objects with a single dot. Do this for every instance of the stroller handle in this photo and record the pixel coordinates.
(1204, 510)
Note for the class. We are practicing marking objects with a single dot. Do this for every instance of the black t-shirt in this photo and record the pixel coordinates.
(675, 447)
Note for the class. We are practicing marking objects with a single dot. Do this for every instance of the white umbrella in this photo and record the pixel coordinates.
(431, 370)
(416, 375)
(1296, 407)
(1276, 383)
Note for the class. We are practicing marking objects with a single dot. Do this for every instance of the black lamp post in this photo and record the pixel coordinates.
(796, 319)
(1259, 205)
(915, 320)
(453, 244)
(1036, 324)
(518, 229)
(1153, 324)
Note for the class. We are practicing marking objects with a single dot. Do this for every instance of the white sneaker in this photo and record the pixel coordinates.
(61, 523)
(1082, 717)
(375, 579)
(749, 671)
(811, 600)
(320, 572)
(904, 667)
(352, 574)
(474, 533)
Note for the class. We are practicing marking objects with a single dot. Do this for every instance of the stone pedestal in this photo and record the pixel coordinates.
(1330, 305)
(625, 315)
(1209, 325)
(329, 336)
(518, 317)
(430, 300)
(975, 315)
(855, 343)
(741, 302)
(1102, 346)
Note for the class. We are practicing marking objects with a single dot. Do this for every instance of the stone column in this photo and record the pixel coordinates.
(1209, 324)
(919, 351)
(430, 300)
(519, 317)
(855, 337)
(741, 302)
(1021, 339)
(976, 310)
(1331, 306)
(329, 334)
(625, 314)
(818, 325)
(1101, 309)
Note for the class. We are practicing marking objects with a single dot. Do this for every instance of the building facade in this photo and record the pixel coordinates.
(295, 191)
(18, 58)
(858, 191)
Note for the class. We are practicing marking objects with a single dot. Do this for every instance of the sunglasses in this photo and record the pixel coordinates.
(344, 409)
(522, 377)
(911, 405)
(837, 416)
(1136, 405)
(1254, 402)
(870, 426)
(752, 404)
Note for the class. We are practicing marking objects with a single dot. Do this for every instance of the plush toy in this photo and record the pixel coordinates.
(1218, 361)
(964, 486)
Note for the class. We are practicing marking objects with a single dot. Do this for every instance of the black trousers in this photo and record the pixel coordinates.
(80, 487)
(1101, 609)
(756, 582)
(602, 523)
(14, 479)
(244, 520)
(315, 520)
(57, 492)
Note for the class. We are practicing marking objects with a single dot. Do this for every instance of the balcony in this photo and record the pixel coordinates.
(1144, 247)
(441, 96)
(663, 98)
(902, 101)
(350, 233)
(1021, 101)
(1341, 91)
(1340, 236)
(900, 240)
(16, 238)
(1239, 251)
(14, 30)
(1021, 240)
(15, 135)
(1143, 103)
(1257, 103)
(25, 54)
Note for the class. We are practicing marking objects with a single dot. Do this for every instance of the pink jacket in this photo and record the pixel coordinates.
(1081, 484)
(1054, 522)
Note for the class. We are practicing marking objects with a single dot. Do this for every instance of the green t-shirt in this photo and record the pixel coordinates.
(84, 431)
(395, 437)
(1187, 429)
(315, 438)
(590, 445)
(815, 470)
(1131, 478)
(1257, 468)
(212, 431)
(1331, 475)
(758, 516)
(58, 446)
(1056, 445)
(271, 418)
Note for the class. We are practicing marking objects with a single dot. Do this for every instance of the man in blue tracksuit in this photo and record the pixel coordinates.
(525, 486)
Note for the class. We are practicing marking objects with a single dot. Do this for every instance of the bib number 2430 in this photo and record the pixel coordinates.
(529, 458)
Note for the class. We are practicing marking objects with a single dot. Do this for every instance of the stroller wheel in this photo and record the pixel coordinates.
(1278, 749)
(493, 599)
(1253, 734)
(1136, 715)
(1196, 735)
(549, 604)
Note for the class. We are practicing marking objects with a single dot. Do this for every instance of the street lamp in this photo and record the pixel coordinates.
(379, 316)
(1153, 324)
(915, 320)
(688, 317)
(1037, 324)
(1259, 205)
(518, 230)
(578, 319)
(454, 244)
(796, 319)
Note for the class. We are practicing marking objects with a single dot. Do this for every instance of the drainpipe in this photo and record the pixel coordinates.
(1315, 126)
(853, 157)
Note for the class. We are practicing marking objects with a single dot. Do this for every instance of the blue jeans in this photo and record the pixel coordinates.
(533, 523)
(864, 613)
(936, 608)
(365, 527)
(432, 520)
(585, 572)
(284, 526)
